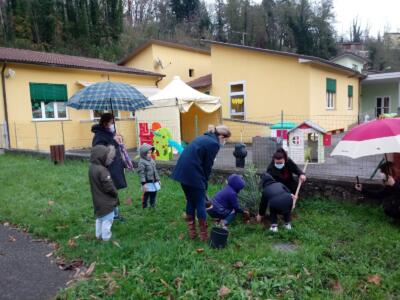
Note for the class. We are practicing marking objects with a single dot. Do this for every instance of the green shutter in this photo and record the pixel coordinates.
(331, 85)
(48, 92)
(350, 91)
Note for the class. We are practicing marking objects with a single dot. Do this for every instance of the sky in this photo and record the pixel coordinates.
(377, 14)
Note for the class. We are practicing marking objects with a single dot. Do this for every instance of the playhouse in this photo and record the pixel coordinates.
(307, 141)
(279, 132)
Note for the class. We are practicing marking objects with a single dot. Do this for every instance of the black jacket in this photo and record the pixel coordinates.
(275, 194)
(390, 196)
(104, 193)
(102, 136)
(285, 175)
(195, 163)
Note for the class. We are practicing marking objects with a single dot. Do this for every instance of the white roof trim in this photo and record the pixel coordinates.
(392, 75)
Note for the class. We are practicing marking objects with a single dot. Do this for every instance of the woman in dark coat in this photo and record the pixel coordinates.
(389, 193)
(193, 170)
(104, 134)
(282, 169)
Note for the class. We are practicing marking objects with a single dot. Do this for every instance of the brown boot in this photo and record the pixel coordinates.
(203, 230)
(191, 227)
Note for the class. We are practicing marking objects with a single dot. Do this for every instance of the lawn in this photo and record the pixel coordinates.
(339, 250)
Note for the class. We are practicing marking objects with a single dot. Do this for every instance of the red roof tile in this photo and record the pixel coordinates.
(66, 61)
(200, 82)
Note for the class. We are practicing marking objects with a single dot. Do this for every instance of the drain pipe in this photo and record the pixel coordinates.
(3, 85)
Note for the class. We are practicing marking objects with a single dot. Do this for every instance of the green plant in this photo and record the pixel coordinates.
(249, 197)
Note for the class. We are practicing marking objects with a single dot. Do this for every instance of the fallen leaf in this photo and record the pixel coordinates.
(164, 283)
(250, 275)
(336, 286)
(112, 286)
(76, 237)
(238, 264)
(375, 279)
(124, 273)
(6, 224)
(51, 202)
(128, 201)
(72, 243)
(178, 282)
(90, 269)
(115, 243)
(71, 266)
(12, 238)
(306, 271)
(181, 236)
(199, 250)
(50, 254)
(223, 291)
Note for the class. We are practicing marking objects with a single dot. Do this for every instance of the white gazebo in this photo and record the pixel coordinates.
(185, 111)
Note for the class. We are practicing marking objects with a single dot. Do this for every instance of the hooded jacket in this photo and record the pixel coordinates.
(275, 194)
(147, 166)
(195, 163)
(104, 192)
(226, 200)
(102, 136)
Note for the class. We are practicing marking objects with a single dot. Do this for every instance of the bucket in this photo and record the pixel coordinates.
(218, 237)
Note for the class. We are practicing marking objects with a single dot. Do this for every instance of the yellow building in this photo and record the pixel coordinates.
(171, 59)
(257, 85)
(34, 90)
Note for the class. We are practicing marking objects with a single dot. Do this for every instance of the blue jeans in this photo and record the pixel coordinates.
(227, 218)
(195, 201)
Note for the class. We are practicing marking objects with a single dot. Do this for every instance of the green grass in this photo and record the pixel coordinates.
(336, 242)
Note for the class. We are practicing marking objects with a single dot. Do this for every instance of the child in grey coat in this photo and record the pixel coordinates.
(148, 175)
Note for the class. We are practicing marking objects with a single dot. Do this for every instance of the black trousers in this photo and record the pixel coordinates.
(281, 206)
(149, 196)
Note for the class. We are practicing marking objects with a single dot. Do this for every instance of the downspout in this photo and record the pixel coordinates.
(160, 78)
(3, 85)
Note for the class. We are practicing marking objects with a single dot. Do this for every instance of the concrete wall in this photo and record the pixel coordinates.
(371, 91)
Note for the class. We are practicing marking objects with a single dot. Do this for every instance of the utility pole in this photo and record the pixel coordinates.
(243, 35)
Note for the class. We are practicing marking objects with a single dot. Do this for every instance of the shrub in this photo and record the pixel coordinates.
(249, 197)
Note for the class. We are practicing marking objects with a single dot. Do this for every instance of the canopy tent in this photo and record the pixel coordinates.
(185, 111)
(179, 93)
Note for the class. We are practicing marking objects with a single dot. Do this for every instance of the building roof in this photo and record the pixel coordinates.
(390, 76)
(302, 58)
(22, 56)
(200, 82)
(353, 55)
(162, 43)
(311, 125)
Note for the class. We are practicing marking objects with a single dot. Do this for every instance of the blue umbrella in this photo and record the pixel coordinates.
(109, 95)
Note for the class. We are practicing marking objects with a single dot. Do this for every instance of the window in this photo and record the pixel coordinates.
(237, 99)
(350, 97)
(382, 106)
(96, 114)
(330, 93)
(191, 72)
(48, 101)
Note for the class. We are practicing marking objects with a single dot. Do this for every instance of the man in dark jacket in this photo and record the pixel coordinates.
(104, 193)
(279, 199)
(225, 203)
(193, 170)
(282, 169)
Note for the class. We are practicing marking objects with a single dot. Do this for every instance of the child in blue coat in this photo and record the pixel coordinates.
(225, 203)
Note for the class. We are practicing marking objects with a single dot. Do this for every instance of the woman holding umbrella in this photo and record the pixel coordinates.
(104, 134)
(193, 170)
(390, 192)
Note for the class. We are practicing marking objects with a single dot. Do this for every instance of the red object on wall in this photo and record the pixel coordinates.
(145, 135)
(282, 133)
(327, 139)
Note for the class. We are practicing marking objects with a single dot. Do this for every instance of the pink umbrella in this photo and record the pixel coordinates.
(376, 137)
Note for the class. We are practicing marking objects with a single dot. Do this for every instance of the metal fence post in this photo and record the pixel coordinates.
(62, 132)
(15, 135)
(37, 137)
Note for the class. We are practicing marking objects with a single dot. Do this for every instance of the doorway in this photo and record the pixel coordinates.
(382, 106)
(312, 142)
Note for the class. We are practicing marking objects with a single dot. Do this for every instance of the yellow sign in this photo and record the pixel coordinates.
(237, 101)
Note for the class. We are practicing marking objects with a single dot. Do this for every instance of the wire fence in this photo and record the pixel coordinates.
(304, 137)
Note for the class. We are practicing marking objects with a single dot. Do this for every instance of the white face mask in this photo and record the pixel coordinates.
(112, 128)
(279, 166)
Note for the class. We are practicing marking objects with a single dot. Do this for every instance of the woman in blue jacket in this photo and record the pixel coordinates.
(193, 170)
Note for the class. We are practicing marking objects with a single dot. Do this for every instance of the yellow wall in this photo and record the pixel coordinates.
(175, 61)
(188, 123)
(341, 116)
(38, 135)
(244, 132)
(272, 82)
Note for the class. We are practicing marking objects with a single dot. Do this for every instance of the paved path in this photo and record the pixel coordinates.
(25, 271)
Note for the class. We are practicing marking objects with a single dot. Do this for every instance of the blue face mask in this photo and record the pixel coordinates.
(279, 166)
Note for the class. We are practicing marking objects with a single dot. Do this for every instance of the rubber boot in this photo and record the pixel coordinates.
(203, 230)
(191, 227)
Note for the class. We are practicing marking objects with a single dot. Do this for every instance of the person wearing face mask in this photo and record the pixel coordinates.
(193, 170)
(389, 193)
(282, 169)
(104, 134)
